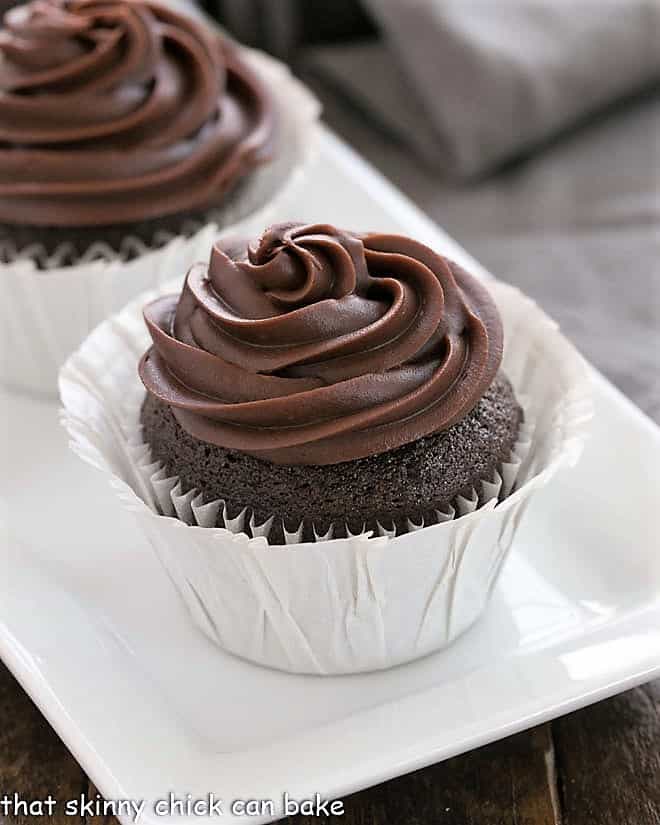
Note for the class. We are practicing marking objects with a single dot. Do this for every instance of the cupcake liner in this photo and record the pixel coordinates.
(48, 308)
(330, 606)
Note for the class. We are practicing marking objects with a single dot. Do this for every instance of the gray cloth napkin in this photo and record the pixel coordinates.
(471, 84)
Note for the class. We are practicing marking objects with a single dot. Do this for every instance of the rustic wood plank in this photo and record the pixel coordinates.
(511, 782)
(608, 759)
(100, 819)
(33, 761)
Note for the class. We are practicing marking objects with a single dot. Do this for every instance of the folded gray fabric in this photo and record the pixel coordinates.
(365, 73)
(493, 78)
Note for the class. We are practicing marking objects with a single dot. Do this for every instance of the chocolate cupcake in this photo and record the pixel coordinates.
(120, 120)
(130, 136)
(346, 395)
(327, 383)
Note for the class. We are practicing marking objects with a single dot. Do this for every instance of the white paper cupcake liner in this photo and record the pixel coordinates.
(46, 312)
(333, 605)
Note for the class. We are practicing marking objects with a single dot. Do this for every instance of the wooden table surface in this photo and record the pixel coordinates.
(598, 766)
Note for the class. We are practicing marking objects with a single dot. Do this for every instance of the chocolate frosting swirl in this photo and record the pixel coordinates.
(114, 112)
(316, 345)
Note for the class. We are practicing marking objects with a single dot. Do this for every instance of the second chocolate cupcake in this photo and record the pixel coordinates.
(121, 124)
(321, 382)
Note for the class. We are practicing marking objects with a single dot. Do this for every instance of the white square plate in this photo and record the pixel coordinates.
(92, 628)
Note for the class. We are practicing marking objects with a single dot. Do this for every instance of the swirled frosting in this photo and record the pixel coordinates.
(115, 111)
(316, 346)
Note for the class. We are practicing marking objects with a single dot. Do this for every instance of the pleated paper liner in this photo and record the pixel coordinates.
(48, 308)
(332, 605)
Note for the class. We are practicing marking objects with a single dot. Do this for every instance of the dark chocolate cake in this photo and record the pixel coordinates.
(409, 482)
(328, 378)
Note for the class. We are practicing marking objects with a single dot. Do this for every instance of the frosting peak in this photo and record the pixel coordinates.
(117, 111)
(315, 345)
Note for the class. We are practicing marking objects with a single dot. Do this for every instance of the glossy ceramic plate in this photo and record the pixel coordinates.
(94, 631)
